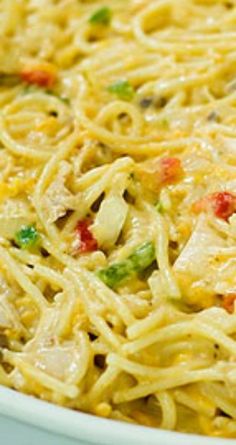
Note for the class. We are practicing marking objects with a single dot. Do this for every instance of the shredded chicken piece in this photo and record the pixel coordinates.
(58, 199)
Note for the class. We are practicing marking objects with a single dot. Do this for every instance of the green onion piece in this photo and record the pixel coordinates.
(115, 274)
(27, 237)
(142, 257)
(122, 89)
(102, 16)
(118, 273)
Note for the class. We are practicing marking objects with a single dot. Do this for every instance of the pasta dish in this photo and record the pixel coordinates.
(118, 208)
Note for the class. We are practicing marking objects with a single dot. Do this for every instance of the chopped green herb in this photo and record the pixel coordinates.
(159, 207)
(101, 17)
(27, 237)
(118, 273)
(122, 89)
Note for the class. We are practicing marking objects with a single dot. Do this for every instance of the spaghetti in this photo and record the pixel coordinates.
(118, 208)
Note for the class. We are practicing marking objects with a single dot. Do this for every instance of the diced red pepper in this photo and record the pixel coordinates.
(228, 302)
(87, 242)
(161, 172)
(170, 170)
(38, 76)
(223, 204)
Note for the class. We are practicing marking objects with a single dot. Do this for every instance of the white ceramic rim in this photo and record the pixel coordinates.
(94, 430)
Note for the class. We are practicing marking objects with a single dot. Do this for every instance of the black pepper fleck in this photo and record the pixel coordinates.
(146, 102)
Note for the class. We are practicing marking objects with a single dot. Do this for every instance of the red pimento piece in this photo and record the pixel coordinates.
(87, 242)
(160, 173)
(223, 204)
(228, 302)
(36, 76)
(170, 170)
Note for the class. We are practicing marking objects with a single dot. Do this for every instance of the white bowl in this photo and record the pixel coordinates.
(25, 420)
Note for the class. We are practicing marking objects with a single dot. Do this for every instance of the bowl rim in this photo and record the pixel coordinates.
(92, 429)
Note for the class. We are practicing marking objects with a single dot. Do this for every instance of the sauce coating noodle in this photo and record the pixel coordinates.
(118, 208)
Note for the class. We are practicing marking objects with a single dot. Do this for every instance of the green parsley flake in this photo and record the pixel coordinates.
(27, 237)
(101, 17)
(122, 89)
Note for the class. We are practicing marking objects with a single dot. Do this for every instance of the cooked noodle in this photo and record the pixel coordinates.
(118, 202)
